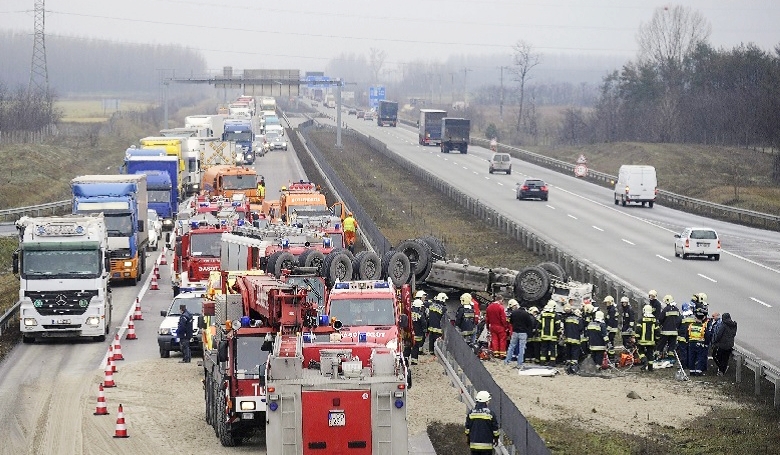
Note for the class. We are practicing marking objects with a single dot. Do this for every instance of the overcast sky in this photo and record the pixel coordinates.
(305, 34)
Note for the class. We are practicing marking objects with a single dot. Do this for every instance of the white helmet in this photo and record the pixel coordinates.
(668, 299)
(653, 293)
(465, 298)
(647, 309)
(483, 396)
(624, 299)
(420, 294)
(609, 300)
(599, 316)
(440, 297)
(513, 303)
(550, 305)
(702, 297)
(418, 303)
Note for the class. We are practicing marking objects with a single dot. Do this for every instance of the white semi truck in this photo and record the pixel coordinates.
(63, 268)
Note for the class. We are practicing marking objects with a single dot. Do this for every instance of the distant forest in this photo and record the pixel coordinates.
(90, 66)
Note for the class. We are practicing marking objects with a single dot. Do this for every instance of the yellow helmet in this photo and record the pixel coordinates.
(668, 299)
(284, 188)
(647, 309)
(702, 297)
(567, 308)
(609, 299)
(653, 293)
(465, 298)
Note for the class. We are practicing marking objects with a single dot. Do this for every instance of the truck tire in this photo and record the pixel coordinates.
(28, 340)
(367, 265)
(418, 253)
(311, 258)
(207, 397)
(396, 266)
(554, 269)
(225, 430)
(532, 283)
(444, 149)
(337, 267)
(438, 252)
(464, 150)
(279, 261)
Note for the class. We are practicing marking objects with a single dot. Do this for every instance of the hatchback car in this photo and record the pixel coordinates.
(275, 141)
(697, 241)
(532, 189)
(352, 111)
(166, 335)
(500, 162)
(360, 114)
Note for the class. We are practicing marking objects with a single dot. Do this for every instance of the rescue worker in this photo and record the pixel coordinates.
(495, 318)
(422, 295)
(645, 334)
(350, 226)
(703, 303)
(669, 324)
(694, 302)
(698, 340)
(184, 330)
(261, 188)
(723, 342)
(436, 313)
(588, 311)
(573, 328)
(549, 334)
(598, 337)
(534, 339)
(465, 320)
(481, 426)
(612, 323)
(627, 316)
(657, 306)
(420, 328)
(683, 350)
(522, 324)
(466, 297)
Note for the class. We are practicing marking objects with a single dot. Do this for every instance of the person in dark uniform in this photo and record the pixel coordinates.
(481, 426)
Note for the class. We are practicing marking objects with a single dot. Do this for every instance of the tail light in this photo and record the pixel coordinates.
(626, 189)
(718, 243)
(687, 243)
(524, 188)
(656, 190)
(544, 188)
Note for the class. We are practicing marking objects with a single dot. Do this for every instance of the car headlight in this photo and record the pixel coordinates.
(30, 322)
(127, 263)
(164, 331)
(93, 320)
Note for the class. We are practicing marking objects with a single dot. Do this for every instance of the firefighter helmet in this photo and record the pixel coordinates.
(609, 300)
(420, 294)
(653, 293)
(578, 313)
(417, 303)
(550, 305)
(567, 308)
(483, 396)
(647, 309)
(695, 298)
(513, 303)
(599, 316)
(533, 310)
(668, 299)
(624, 299)
(588, 309)
(465, 298)
(440, 297)
(702, 297)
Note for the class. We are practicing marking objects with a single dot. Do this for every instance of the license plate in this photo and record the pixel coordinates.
(63, 321)
(534, 189)
(702, 244)
(337, 419)
(247, 416)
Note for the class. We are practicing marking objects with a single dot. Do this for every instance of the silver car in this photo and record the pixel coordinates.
(697, 241)
(275, 141)
(500, 162)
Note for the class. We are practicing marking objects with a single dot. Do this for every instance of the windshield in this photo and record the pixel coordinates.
(272, 136)
(363, 311)
(159, 195)
(208, 245)
(239, 182)
(250, 359)
(61, 264)
(193, 303)
(119, 225)
(244, 136)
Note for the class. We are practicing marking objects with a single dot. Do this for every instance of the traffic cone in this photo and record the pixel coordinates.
(118, 349)
(101, 409)
(162, 258)
(154, 286)
(156, 271)
(121, 429)
(113, 364)
(131, 331)
(108, 381)
(137, 316)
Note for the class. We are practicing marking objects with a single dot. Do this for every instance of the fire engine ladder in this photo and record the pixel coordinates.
(384, 422)
(289, 428)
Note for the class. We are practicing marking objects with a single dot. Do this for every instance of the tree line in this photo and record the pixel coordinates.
(23, 110)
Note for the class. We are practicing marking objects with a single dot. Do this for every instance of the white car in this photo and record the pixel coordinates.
(697, 241)
(166, 334)
(155, 229)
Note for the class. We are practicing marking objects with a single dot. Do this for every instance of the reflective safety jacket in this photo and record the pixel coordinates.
(573, 328)
(671, 317)
(549, 329)
(697, 332)
(419, 323)
(435, 315)
(597, 336)
(628, 320)
(682, 330)
(349, 224)
(464, 320)
(646, 331)
(587, 318)
(536, 334)
(611, 319)
(481, 427)
(657, 308)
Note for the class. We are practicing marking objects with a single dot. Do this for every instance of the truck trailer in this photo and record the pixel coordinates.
(455, 134)
(429, 126)
(162, 182)
(387, 113)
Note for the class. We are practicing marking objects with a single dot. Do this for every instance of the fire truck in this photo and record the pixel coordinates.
(303, 204)
(196, 252)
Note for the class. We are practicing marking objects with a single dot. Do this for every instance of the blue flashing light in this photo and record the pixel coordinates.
(399, 403)
(285, 243)
(223, 222)
(79, 230)
(324, 319)
(362, 337)
(341, 285)
(309, 337)
(274, 405)
(240, 222)
(327, 242)
(337, 226)
(381, 285)
(245, 321)
(236, 204)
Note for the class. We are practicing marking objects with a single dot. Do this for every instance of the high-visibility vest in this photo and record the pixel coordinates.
(697, 332)
(349, 224)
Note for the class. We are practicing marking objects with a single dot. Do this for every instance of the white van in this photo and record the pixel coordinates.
(636, 184)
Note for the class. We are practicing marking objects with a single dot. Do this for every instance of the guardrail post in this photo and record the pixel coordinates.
(758, 375)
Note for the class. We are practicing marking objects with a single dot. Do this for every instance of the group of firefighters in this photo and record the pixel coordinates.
(663, 330)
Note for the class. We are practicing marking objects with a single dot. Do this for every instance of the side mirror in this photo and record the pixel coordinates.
(15, 258)
(163, 313)
(222, 351)
(178, 248)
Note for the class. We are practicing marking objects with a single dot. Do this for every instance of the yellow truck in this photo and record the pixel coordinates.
(173, 146)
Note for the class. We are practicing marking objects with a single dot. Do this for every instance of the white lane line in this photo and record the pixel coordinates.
(665, 259)
(455, 163)
(762, 303)
(597, 228)
(487, 178)
(550, 206)
(475, 172)
(464, 167)
(628, 241)
(707, 278)
(500, 183)
(572, 216)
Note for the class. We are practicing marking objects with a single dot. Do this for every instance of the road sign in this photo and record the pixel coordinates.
(311, 81)
(580, 170)
(375, 94)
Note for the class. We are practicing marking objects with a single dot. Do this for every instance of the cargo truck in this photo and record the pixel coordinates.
(240, 132)
(124, 203)
(173, 146)
(162, 183)
(387, 113)
(62, 263)
(455, 134)
(207, 125)
(429, 126)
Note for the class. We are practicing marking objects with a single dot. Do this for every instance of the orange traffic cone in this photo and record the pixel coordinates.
(154, 286)
(137, 316)
(118, 349)
(156, 271)
(131, 331)
(112, 363)
(101, 409)
(121, 429)
(162, 258)
(108, 381)
(110, 357)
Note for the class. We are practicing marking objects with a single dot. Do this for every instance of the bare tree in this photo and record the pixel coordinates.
(376, 60)
(524, 60)
(671, 36)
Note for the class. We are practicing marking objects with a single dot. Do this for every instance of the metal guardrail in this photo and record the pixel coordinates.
(51, 207)
(8, 317)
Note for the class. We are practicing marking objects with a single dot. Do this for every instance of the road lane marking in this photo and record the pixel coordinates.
(572, 216)
(762, 303)
(597, 228)
(665, 259)
(464, 167)
(500, 183)
(707, 278)
(628, 241)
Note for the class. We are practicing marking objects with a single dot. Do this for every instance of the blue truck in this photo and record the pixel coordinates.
(387, 113)
(162, 184)
(123, 201)
(240, 132)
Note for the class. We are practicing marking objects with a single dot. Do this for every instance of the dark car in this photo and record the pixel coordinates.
(360, 114)
(352, 111)
(532, 189)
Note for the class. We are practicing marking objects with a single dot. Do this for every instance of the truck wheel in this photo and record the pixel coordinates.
(311, 258)
(28, 340)
(419, 255)
(532, 283)
(226, 436)
(396, 266)
(337, 267)
(367, 265)
(164, 353)
(207, 396)
(345, 251)
(555, 270)
(616, 201)
(279, 261)
(464, 150)
(650, 204)
(623, 201)
(509, 172)
(438, 252)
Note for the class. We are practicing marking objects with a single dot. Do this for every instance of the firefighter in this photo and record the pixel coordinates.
(422, 295)
(646, 331)
(436, 313)
(350, 226)
(534, 339)
(627, 328)
(588, 311)
(698, 340)
(612, 323)
(703, 303)
(481, 426)
(573, 328)
(495, 317)
(682, 335)
(598, 337)
(657, 306)
(420, 327)
(465, 320)
(549, 334)
(669, 324)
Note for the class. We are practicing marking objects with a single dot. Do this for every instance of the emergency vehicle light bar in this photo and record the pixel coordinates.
(361, 285)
